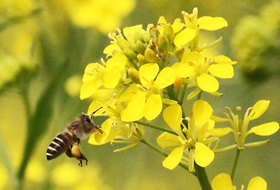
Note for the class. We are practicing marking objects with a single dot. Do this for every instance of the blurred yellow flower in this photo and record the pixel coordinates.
(67, 175)
(36, 171)
(223, 182)
(15, 8)
(73, 85)
(3, 177)
(105, 15)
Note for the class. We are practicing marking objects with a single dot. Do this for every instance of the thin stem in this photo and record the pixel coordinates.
(199, 96)
(235, 163)
(202, 177)
(181, 99)
(155, 127)
(162, 152)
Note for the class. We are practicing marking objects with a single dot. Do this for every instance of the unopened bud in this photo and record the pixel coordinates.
(122, 43)
(129, 53)
(178, 82)
(163, 44)
(150, 56)
(134, 75)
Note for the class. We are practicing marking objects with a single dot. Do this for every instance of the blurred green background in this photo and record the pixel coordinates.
(44, 48)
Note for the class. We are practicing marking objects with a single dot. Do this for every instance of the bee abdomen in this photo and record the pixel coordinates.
(59, 145)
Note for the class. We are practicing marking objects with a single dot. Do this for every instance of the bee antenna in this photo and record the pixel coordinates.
(95, 111)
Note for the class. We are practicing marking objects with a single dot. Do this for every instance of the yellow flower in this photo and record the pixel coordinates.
(98, 76)
(147, 99)
(223, 182)
(115, 130)
(202, 71)
(192, 139)
(192, 26)
(105, 15)
(240, 126)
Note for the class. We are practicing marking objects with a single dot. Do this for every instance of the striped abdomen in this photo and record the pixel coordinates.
(59, 145)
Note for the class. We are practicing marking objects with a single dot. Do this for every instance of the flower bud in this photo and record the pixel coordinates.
(169, 33)
(134, 75)
(122, 43)
(163, 44)
(150, 55)
(138, 47)
(129, 53)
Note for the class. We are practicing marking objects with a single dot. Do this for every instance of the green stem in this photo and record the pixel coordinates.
(162, 152)
(155, 127)
(235, 163)
(181, 99)
(202, 177)
(199, 96)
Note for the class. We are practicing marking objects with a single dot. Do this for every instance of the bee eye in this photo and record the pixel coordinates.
(86, 119)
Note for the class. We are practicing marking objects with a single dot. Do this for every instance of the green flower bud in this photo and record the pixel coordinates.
(134, 75)
(169, 33)
(146, 36)
(129, 53)
(138, 47)
(141, 59)
(179, 53)
(150, 56)
(163, 44)
(122, 43)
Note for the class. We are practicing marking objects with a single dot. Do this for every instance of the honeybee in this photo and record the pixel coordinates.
(69, 141)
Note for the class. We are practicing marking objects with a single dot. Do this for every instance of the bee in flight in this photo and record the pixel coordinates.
(69, 141)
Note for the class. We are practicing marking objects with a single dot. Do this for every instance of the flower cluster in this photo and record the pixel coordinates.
(156, 70)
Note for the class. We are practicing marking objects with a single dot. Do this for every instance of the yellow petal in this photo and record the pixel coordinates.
(202, 112)
(168, 140)
(129, 32)
(224, 71)
(112, 77)
(221, 59)
(203, 156)
(174, 158)
(111, 49)
(177, 25)
(135, 108)
(257, 183)
(207, 83)
(172, 116)
(98, 138)
(222, 182)
(183, 70)
(184, 37)
(147, 73)
(192, 57)
(165, 78)
(265, 129)
(153, 107)
(129, 93)
(219, 132)
(89, 88)
(212, 23)
(118, 60)
(259, 108)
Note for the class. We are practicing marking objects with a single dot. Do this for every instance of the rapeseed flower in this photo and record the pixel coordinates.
(191, 139)
(224, 182)
(240, 126)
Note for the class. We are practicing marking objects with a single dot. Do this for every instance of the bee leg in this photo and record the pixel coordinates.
(81, 158)
(75, 151)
